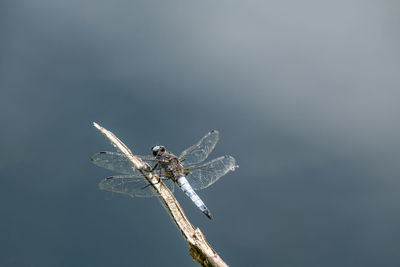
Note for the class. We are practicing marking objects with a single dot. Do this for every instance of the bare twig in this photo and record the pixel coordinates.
(200, 249)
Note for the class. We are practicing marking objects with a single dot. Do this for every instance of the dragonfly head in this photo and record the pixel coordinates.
(157, 150)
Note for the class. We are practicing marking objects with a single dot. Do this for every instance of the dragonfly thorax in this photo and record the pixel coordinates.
(167, 163)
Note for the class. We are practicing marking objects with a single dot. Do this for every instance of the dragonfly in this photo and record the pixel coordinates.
(188, 171)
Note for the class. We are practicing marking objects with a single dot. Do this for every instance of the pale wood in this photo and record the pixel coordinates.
(200, 249)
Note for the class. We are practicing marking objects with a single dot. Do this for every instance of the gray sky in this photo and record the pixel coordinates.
(305, 95)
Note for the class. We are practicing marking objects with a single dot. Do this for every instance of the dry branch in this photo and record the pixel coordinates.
(200, 249)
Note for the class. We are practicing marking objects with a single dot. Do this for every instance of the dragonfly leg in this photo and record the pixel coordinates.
(152, 169)
(159, 180)
(155, 166)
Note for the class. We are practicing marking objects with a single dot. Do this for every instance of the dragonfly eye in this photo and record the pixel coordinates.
(154, 150)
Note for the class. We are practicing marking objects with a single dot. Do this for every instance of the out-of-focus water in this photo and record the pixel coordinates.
(305, 94)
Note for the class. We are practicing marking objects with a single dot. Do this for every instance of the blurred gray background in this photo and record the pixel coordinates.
(305, 94)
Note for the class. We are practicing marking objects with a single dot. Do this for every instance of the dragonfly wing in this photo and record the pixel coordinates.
(200, 151)
(203, 175)
(135, 186)
(117, 162)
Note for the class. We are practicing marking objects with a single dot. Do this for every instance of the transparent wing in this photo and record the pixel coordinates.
(135, 186)
(204, 175)
(117, 162)
(200, 151)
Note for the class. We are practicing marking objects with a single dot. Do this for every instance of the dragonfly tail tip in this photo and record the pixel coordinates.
(208, 214)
